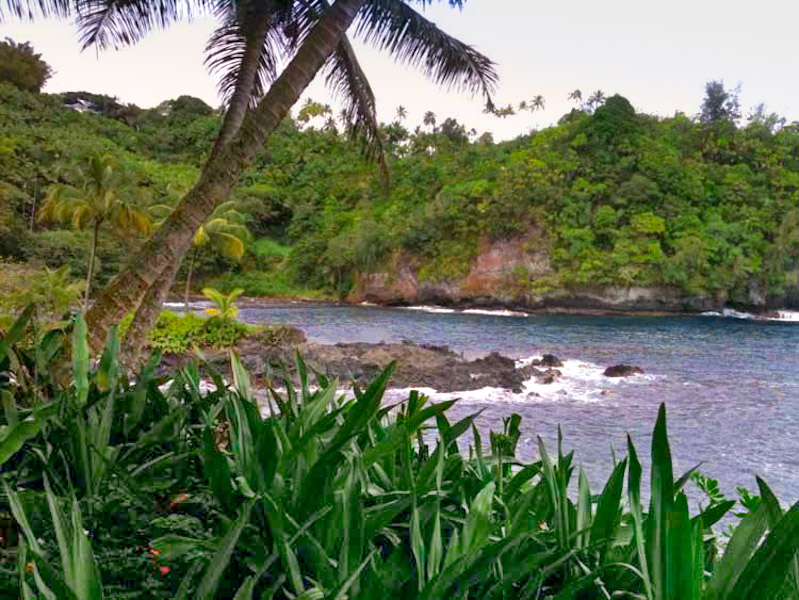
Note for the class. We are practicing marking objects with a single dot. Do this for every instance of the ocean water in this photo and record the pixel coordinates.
(730, 383)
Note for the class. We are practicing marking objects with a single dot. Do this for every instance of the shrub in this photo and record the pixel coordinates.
(174, 491)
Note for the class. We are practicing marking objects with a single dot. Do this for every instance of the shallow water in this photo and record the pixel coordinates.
(731, 386)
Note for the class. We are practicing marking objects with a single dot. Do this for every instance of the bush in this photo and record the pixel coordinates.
(175, 333)
(176, 491)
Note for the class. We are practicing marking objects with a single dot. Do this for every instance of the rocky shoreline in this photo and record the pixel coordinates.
(415, 365)
(577, 306)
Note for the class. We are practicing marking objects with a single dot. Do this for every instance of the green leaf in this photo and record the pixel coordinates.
(221, 558)
(766, 572)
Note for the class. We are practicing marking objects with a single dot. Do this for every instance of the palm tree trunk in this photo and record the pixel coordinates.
(188, 279)
(90, 269)
(245, 81)
(171, 242)
(145, 317)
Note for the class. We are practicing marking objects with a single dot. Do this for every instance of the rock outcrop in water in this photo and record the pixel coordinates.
(417, 366)
(623, 371)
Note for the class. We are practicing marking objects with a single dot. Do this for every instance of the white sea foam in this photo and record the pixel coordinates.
(192, 304)
(494, 313)
(431, 309)
(787, 316)
(580, 381)
(499, 312)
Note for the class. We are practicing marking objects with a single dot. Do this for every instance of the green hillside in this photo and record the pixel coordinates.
(614, 197)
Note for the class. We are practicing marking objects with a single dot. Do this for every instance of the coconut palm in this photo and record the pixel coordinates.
(402, 113)
(225, 232)
(310, 36)
(101, 195)
(429, 119)
(537, 103)
(596, 99)
(576, 95)
(223, 308)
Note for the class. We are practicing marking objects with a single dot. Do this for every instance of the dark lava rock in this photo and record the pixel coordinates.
(545, 377)
(623, 371)
(550, 360)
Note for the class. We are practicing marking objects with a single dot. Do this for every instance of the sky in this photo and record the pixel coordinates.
(657, 54)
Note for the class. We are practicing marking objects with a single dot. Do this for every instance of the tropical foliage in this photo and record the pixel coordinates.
(100, 195)
(22, 67)
(162, 487)
(614, 198)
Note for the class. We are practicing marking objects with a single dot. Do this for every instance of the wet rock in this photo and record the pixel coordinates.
(549, 360)
(623, 371)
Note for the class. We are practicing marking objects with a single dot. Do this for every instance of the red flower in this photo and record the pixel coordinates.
(164, 570)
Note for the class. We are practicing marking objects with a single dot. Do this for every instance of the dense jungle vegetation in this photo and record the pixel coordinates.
(161, 487)
(708, 203)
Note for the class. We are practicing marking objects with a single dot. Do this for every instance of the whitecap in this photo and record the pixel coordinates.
(494, 313)
(580, 381)
(431, 309)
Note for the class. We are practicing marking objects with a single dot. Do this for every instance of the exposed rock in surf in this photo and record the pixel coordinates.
(541, 376)
(623, 371)
(548, 360)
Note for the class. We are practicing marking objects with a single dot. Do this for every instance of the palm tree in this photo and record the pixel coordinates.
(596, 99)
(402, 113)
(101, 195)
(429, 119)
(310, 34)
(537, 103)
(225, 232)
(576, 95)
(223, 308)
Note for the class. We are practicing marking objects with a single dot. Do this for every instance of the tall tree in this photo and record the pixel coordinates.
(100, 195)
(22, 67)
(720, 104)
(316, 31)
(402, 113)
(596, 99)
(429, 119)
(537, 103)
(576, 95)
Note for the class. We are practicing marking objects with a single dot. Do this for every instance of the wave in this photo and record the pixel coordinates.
(192, 304)
(784, 316)
(499, 312)
(580, 381)
(494, 313)
(431, 309)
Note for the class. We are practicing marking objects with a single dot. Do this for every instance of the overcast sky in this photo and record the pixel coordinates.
(657, 54)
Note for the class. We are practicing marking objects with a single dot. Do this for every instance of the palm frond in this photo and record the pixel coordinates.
(116, 23)
(225, 51)
(230, 246)
(347, 79)
(32, 9)
(394, 26)
(240, 22)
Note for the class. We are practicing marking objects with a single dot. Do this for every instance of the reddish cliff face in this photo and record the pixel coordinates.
(497, 278)
(492, 278)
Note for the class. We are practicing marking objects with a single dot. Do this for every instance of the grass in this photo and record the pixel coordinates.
(270, 248)
(156, 487)
(268, 284)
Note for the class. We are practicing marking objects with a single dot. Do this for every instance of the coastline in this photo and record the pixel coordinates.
(498, 308)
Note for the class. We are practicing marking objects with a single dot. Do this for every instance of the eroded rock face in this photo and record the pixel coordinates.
(490, 280)
(623, 371)
(504, 273)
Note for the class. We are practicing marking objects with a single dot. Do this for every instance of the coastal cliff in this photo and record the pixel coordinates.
(506, 273)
